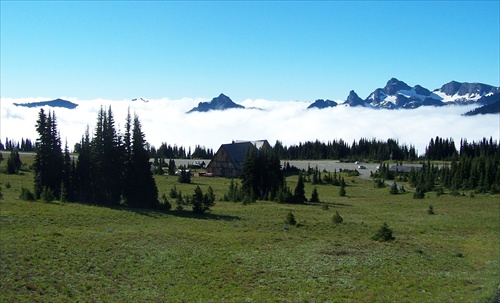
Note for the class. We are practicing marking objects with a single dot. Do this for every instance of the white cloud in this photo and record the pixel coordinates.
(165, 120)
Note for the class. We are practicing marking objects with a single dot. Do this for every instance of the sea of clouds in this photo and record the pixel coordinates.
(166, 120)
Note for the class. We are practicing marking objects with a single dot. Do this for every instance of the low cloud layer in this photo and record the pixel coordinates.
(165, 120)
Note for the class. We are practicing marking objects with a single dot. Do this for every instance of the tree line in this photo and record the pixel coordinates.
(24, 145)
(478, 173)
(340, 150)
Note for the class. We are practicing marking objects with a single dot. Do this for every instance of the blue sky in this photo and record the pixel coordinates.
(272, 50)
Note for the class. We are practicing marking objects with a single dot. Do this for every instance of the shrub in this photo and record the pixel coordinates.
(234, 194)
(379, 183)
(383, 234)
(47, 195)
(394, 189)
(26, 194)
(290, 219)
(173, 192)
(337, 219)
(202, 202)
(185, 176)
(419, 194)
(430, 211)
(342, 191)
(164, 203)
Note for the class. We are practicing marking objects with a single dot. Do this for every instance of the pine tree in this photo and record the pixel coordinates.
(202, 202)
(13, 162)
(83, 177)
(299, 195)
(314, 195)
(144, 192)
(106, 161)
(383, 234)
(394, 189)
(342, 191)
(49, 162)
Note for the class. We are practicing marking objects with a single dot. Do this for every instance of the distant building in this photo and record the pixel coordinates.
(228, 160)
(404, 168)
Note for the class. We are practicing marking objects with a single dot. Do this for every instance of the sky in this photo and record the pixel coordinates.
(272, 50)
(276, 55)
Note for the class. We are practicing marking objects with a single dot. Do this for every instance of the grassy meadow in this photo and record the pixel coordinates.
(68, 252)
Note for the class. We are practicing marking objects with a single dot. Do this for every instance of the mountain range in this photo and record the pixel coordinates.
(395, 94)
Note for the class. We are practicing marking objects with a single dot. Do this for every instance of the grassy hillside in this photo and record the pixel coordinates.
(64, 252)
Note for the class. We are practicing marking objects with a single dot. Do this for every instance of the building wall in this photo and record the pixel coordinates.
(221, 165)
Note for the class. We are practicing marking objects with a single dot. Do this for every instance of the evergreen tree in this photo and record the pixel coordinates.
(342, 191)
(314, 196)
(383, 234)
(13, 162)
(290, 219)
(84, 176)
(299, 195)
(248, 174)
(144, 192)
(106, 161)
(171, 167)
(394, 189)
(49, 162)
(67, 190)
(202, 202)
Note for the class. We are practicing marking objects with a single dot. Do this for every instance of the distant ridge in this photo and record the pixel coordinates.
(491, 108)
(397, 94)
(52, 103)
(222, 102)
(320, 103)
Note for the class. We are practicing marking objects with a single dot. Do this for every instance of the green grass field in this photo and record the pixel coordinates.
(66, 252)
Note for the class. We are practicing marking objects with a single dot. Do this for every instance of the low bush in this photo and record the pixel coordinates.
(383, 234)
(337, 219)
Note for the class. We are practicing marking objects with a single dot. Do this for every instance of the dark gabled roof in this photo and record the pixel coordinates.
(237, 152)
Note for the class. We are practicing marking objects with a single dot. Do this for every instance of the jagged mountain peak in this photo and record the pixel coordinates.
(321, 103)
(394, 85)
(222, 102)
(464, 88)
(354, 100)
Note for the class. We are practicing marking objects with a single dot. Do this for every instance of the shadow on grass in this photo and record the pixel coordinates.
(327, 203)
(204, 216)
(157, 213)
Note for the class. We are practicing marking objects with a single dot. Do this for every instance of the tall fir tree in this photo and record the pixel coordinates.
(83, 180)
(106, 161)
(49, 161)
(299, 194)
(141, 190)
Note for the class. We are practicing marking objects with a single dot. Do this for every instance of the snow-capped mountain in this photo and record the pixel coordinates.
(397, 94)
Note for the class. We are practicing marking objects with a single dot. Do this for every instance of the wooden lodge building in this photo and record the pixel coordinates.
(228, 160)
